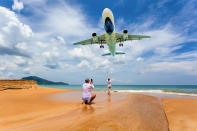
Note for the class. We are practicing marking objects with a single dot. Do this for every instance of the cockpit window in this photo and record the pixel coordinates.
(109, 28)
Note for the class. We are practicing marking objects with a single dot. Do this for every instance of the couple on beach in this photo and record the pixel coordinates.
(87, 95)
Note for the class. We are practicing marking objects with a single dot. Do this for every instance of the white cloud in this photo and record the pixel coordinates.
(188, 67)
(62, 24)
(51, 59)
(63, 19)
(2, 68)
(41, 44)
(139, 59)
(81, 52)
(18, 5)
(61, 39)
(21, 46)
(13, 33)
(20, 61)
(84, 63)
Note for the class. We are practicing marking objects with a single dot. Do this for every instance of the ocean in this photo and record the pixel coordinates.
(169, 89)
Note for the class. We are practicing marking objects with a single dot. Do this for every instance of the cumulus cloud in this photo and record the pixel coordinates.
(51, 59)
(49, 49)
(84, 63)
(61, 19)
(13, 51)
(81, 52)
(67, 21)
(2, 68)
(17, 5)
(187, 67)
(20, 61)
(139, 59)
(13, 34)
(21, 46)
(41, 44)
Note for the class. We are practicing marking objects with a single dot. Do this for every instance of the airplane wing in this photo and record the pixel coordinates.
(125, 37)
(137, 37)
(95, 40)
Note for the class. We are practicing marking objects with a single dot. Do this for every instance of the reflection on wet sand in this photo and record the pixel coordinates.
(129, 114)
(109, 98)
(87, 109)
(101, 97)
(42, 109)
(135, 112)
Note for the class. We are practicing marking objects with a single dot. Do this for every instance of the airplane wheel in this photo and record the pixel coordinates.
(101, 46)
(120, 45)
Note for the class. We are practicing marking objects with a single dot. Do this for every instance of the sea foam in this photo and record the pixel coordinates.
(155, 92)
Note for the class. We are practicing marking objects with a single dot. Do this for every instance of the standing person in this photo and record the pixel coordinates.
(109, 86)
(88, 97)
(91, 81)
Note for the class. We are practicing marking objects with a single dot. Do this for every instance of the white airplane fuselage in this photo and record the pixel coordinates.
(110, 35)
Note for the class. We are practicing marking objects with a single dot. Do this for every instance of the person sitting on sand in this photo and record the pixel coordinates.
(109, 86)
(88, 97)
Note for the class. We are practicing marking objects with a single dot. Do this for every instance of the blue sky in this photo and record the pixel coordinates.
(36, 38)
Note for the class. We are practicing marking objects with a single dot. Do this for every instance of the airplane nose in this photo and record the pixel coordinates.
(106, 10)
(106, 13)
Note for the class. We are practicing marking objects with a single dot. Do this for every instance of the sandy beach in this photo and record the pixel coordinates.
(52, 109)
(181, 113)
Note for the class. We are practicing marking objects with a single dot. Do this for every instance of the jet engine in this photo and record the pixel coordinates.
(95, 38)
(93, 34)
(125, 35)
(121, 44)
(125, 31)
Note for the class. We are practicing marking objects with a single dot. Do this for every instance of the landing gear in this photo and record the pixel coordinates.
(101, 43)
(120, 45)
(101, 46)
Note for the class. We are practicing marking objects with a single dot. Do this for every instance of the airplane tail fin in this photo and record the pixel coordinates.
(117, 53)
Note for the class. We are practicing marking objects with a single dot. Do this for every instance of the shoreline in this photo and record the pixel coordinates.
(157, 92)
(34, 109)
(160, 93)
(175, 90)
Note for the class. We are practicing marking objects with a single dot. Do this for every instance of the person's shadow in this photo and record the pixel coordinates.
(88, 109)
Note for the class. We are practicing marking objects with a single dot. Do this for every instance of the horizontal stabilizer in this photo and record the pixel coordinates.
(117, 53)
(120, 53)
(106, 54)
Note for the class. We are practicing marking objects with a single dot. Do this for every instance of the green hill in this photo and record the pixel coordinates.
(42, 81)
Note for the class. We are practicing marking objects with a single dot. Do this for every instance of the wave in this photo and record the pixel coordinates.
(172, 92)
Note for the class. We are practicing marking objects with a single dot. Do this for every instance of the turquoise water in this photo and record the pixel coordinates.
(188, 89)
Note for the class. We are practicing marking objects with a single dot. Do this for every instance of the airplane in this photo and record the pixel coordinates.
(110, 37)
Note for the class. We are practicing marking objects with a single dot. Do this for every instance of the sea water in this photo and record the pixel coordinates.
(169, 89)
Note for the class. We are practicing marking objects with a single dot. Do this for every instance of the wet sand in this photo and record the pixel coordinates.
(181, 113)
(57, 109)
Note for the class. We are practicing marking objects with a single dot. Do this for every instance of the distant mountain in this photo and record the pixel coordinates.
(42, 81)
